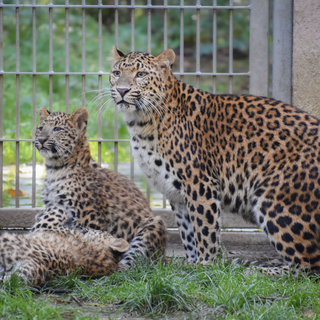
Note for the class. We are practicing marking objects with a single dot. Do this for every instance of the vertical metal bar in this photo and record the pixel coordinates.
(67, 77)
(148, 195)
(198, 46)
(149, 50)
(182, 40)
(17, 186)
(214, 47)
(34, 38)
(259, 42)
(131, 166)
(149, 27)
(1, 134)
(83, 89)
(230, 46)
(282, 50)
(116, 23)
(100, 82)
(50, 58)
(165, 46)
(165, 26)
(132, 25)
(116, 143)
(34, 100)
(132, 49)
(116, 110)
(100, 35)
(1, 40)
(1, 107)
(99, 118)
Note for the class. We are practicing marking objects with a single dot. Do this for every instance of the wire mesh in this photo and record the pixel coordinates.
(191, 28)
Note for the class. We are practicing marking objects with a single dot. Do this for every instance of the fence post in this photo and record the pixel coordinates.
(282, 51)
(306, 56)
(259, 47)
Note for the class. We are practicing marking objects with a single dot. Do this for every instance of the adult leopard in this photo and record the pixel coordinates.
(249, 155)
(92, 218)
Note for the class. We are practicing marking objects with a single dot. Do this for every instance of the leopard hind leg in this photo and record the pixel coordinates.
(150, 241)
(295, 239)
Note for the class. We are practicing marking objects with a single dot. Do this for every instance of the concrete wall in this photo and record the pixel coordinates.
(306, 55)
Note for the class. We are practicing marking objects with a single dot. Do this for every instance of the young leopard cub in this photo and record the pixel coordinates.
(248, 155)
(86, 208)
(39, 255)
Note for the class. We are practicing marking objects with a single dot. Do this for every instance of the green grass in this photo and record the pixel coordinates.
(176, 289)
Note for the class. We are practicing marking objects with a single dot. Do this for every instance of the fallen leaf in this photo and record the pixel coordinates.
(62, 301)
(12, 193)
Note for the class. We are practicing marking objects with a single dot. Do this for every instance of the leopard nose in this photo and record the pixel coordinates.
(123, 91)
(42, 140)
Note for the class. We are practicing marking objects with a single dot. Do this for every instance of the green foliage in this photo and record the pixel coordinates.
(28, 112)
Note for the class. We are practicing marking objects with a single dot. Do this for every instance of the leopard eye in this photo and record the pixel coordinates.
(141, 74)
(40, 128)
(56, 129)
(116, 73)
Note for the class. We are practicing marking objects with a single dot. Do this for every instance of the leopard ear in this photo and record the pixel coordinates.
(79, 118)
(166, 59)
(116, 54)
(119, 244)
(43, 113)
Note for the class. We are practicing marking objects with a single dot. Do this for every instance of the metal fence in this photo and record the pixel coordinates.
(185, 24)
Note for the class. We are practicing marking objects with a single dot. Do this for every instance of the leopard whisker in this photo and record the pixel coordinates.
(146, 113)
(103, 95)
(152, 106)
(164, 100)
(98, 90)
(105, 104)
(100, 97)
(141, 106)
(145, 107)
(156, 108)
(155, 105)
(103, 107)
(159, 95)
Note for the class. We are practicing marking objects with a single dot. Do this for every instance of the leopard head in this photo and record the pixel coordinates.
(139, 81)
(60, 135)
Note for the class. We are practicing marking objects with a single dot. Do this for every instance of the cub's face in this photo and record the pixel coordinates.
(137, 80)
(59, 133)
(55, 137)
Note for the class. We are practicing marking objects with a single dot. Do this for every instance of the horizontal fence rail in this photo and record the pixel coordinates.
(123, 6)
